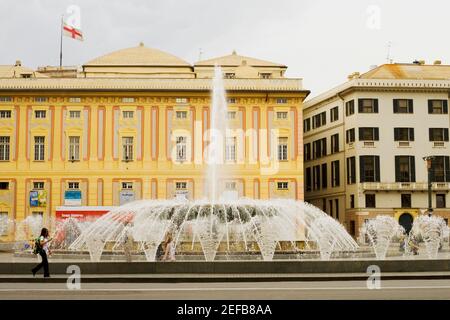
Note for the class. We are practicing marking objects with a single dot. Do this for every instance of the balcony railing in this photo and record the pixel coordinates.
(438, 144)
(411, 186)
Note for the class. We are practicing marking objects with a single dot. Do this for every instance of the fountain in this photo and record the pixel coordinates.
(431, 230)
(380, 231)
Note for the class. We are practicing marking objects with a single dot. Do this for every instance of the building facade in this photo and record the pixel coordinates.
(133, 125)
(364, 144)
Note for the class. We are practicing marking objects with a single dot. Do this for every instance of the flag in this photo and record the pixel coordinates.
(72, 32)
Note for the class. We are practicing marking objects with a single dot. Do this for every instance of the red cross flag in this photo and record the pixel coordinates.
(72, 32)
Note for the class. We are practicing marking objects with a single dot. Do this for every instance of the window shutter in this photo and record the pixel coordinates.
(410, 106)
(360, 133)
(447, 168)
(411, 134)
(445, 106)
(397, 169)
(430, 131)
(395, 105)
(396, 138)
(375, 105)
(412, 166)
(430, 106)
(338, 175)
(324, 176)
(445, 134)
(360, 105)
(353, 163)
(377, 169)
(362, 177)
(377, 134)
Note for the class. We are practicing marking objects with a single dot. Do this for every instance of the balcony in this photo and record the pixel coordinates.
(369, 144)
(404, 144)
(439, 144)
(404, 186)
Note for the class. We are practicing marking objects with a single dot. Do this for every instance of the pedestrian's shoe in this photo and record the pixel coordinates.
(47, 276)
(34, 272)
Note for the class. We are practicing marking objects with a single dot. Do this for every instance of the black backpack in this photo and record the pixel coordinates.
(37, 248)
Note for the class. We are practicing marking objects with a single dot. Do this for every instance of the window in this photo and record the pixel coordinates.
(231, 100)
(334, 114)
(282, 185)
(438, 134)
(349, 108)
(281, 100)
(316, 178)
(369, 134)
(324, 176)
(39, 114)
(335, 143)
(181, 100)
(230, 185)
(405, 169)
(282, 115)
(319, 120)
(128, 114)
(39, 148)
(369, 168)
(127, 99)
(351, 170)
(74, 148)
(74, 185)
(4, 148)
(370, 200)
(4, 185)
(320, 148)
(352, 201)
(127, 185)
(437, 106)
(350, 135)
(5, 114)
(336, 205)
(440, 168)
(181, 114)
(406, 200)
(368, 105)
(308, 179)
(403, 106)
(335, 174)
(324, 204)
(74, 114)
(38, 185)
(282, 148)
(230, 149)
(181, 148)
(307, 151)
(330, 206)
(181, 185)
(307, 125)
(352, 227)
(440, 201)
(40, 99)
(127, 147)
(75, 99)
(229, 75)
(5, 99)
(231, 115)
(265, 75)
(404, 134)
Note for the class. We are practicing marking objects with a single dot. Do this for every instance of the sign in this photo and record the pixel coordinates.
(72, 198)
(181, 195)
(81, 213)
(38, 198)
(126, 196)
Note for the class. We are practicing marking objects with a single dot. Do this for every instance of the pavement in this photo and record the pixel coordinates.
(342, 290)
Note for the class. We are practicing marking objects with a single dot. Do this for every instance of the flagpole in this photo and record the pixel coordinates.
(61, 42)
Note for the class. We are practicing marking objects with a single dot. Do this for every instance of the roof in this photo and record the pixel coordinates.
(409, 71)
(15, 71)
(235, 60)
(155, 84)
(138, 56)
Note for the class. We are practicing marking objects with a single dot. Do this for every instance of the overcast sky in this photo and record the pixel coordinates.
(320, 41)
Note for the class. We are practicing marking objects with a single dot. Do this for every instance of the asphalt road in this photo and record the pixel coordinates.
(390, 289)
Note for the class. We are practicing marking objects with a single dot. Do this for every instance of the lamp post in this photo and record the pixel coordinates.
(429, 160)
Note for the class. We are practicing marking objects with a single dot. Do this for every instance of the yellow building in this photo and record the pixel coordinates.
(132, 125)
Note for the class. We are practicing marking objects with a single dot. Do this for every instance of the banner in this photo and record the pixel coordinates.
(38, 198)
(72, 198)
(126, 196)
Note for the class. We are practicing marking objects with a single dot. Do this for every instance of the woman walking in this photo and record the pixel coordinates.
(43, 251)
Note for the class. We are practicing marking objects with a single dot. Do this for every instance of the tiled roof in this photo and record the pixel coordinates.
(150, 84)
(234, 60)
(15, 71)
(409, 71)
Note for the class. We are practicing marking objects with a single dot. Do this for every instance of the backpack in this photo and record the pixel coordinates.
(37, 248)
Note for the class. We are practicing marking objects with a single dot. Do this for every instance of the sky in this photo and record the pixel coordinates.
(320, 41)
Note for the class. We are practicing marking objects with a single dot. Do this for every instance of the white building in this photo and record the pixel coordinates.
(364, 143)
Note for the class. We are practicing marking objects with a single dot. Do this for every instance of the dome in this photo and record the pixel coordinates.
(138, 56)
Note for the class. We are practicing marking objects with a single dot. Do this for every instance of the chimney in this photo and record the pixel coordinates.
(437, 62)
(18, 63)
(354, 75)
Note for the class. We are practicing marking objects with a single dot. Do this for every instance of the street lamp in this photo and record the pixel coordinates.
(429, 160)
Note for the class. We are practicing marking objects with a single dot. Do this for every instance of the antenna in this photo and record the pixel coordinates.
(388, 56)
